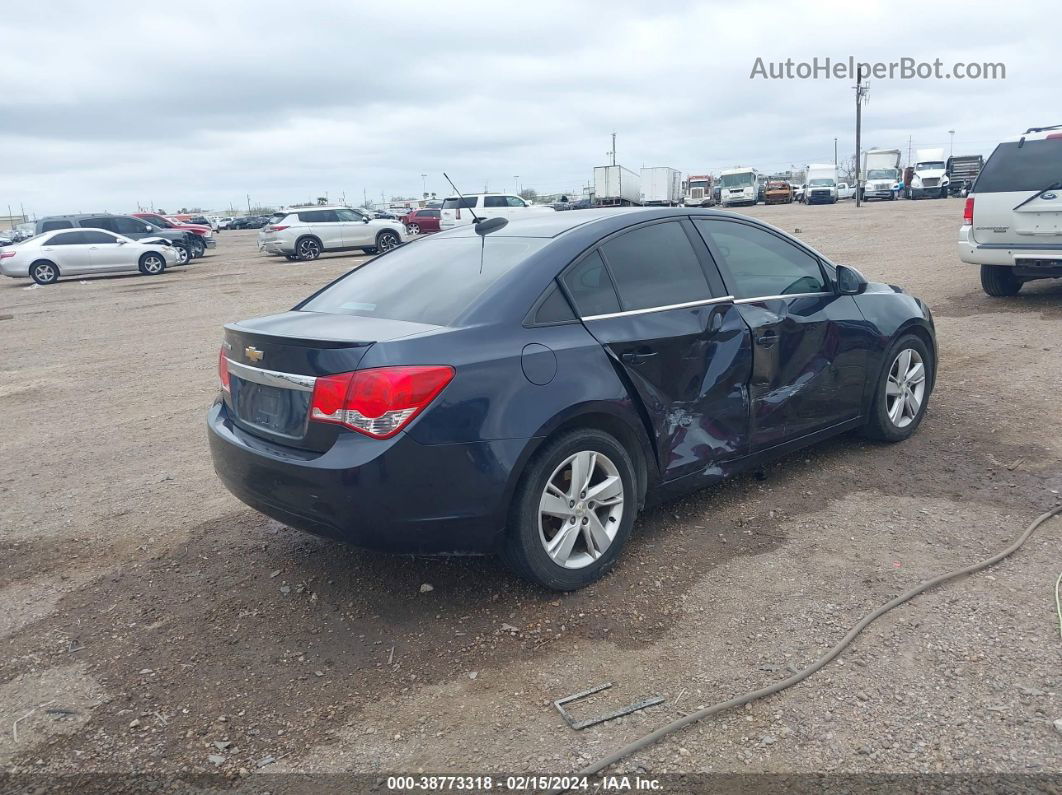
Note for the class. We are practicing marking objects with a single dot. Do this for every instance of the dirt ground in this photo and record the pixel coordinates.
(151, 623)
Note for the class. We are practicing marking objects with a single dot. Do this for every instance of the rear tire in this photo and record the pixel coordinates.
(44, 272)
(999, 281)
(152, 264)
(898, 378)
(307, 248)
(198, 248)
(587, 535)
(414, 229)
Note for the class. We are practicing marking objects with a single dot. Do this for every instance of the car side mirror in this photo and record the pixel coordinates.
(365, 219)
(850, 281)
(120, 242)
(147, 228)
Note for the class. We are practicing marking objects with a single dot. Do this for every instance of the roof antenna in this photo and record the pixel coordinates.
(475, 218)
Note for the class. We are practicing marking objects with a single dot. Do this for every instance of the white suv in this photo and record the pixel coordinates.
(457, 211)
(1012, 222)
(307, 233)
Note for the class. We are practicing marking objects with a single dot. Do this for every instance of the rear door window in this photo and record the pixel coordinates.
(96, 237)
(318, 216)
(1031, 167)
(495, 201)
(67, 239)
(50, 226)
(130, 226)
(104, 222)
(590, 287)
(655, 266)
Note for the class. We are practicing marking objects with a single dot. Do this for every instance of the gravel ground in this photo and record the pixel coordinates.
(151, 623)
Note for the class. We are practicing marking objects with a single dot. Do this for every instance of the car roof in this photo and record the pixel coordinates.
(1036, 134)
(77, 215)
(557, 223)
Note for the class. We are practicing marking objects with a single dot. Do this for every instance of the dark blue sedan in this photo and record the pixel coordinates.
(527, 389)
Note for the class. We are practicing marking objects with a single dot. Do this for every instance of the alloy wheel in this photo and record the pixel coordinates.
(309, 249)
(182, 255)
(580, 509)
(905, 388)
(414, 229)
(152, 264)
(44, 273)
(387, 241)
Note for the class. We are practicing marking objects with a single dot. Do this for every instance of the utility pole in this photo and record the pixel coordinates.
(835, 152)
(861, 93)
(908, 150)
(424, 184)
(248, 203)
(612, 154)
(951, 143)
(516, 183)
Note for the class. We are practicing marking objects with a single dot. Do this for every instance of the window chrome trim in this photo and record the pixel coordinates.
(302, 383)
(772, 297)
(687, 305)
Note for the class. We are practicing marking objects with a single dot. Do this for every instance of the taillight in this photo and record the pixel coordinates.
(6, 254)
(277, 228)
(223, 369)
(967, 211)
(378, 402)
(458, 216)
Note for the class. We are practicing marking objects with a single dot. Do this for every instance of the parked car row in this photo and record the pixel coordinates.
(84, 251)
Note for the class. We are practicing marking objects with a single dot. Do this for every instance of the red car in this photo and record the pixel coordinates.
(203, 233)
(422, 221)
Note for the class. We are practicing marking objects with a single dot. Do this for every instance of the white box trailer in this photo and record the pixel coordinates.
(661, 185)
(616, 185)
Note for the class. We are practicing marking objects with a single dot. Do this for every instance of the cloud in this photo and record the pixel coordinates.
(203, 105)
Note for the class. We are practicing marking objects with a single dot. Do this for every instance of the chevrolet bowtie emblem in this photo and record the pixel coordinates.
(253, 354)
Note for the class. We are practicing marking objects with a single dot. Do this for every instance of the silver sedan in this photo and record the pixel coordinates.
(81, 252)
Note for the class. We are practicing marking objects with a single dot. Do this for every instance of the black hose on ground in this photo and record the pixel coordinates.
(828, 657)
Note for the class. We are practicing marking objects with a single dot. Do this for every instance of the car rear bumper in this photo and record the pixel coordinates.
(1016, 254)
(395, 495)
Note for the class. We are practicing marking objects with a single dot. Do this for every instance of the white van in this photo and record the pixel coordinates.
(1012, 222)
(457, 211)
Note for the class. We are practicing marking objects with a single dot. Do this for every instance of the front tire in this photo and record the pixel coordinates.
(999, 281)
(182, 254)
(572, 512)
(44, 272)
(902, 391)
(152, 264)
(387, 240)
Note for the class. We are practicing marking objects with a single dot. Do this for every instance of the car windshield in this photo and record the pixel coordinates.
(821, 183)
(159, 221)
(698, 183)
(736, 180)
(930, 165)
(431, 281)
(883, 173)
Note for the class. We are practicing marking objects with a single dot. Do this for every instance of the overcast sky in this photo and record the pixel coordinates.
(112, 106)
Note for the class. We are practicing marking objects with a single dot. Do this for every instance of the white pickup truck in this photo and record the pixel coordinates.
(457, 211)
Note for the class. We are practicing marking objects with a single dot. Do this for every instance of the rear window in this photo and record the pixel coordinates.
(318, 216)
(1032, 167)
(466, 203)
(432, 281)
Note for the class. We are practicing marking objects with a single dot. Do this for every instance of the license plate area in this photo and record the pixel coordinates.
(279, 411)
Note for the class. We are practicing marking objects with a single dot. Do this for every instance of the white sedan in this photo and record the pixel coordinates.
(81, 252)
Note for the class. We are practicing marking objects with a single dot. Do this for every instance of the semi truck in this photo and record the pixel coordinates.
(616, 186)
(930, 176)
(661, 186)
(698, 191)
(962, 170)
(881, 174)
(822, 184)
(738, 185)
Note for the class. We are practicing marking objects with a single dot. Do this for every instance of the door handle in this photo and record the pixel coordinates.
(767, 339)
(630, 357)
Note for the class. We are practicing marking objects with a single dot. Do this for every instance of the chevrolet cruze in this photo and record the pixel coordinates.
(527, 388)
